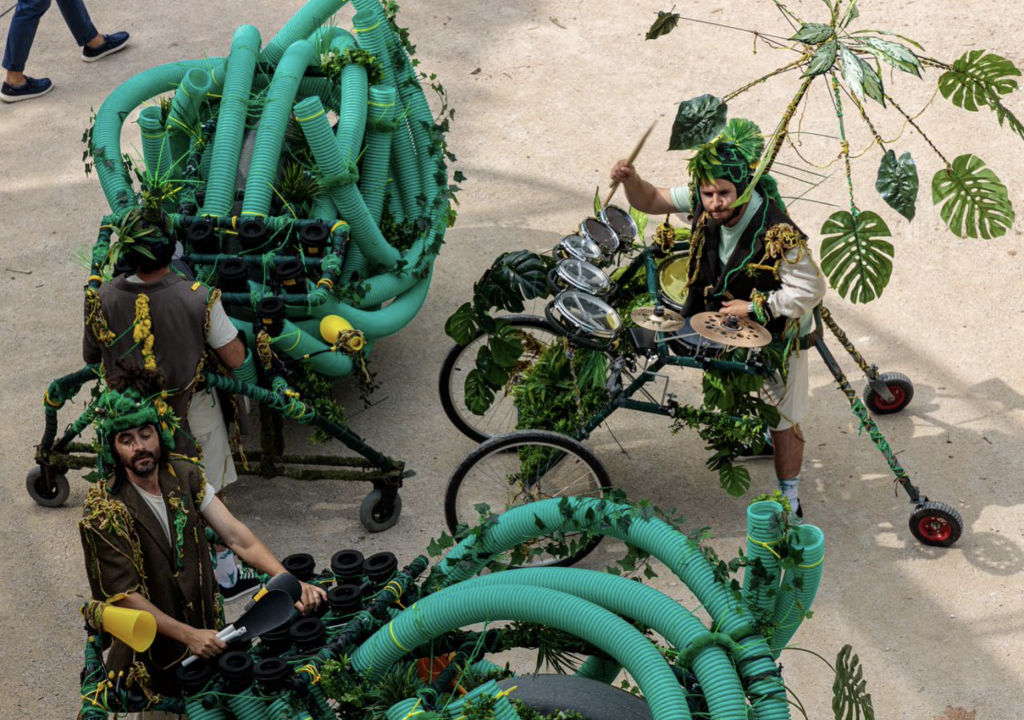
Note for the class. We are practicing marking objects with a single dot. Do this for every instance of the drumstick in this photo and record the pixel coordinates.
(632, 157)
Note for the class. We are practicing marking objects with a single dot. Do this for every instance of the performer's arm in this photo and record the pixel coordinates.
(203, 643)
(244, 543)
(223, 338)
(641, 194)
(803, 286)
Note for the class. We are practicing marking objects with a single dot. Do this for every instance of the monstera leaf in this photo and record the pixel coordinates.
(898, 183)
(479, 395)
(860, 77)
(697, 122)
(899, 56)
(857, 262)
(850, 698)
(734, 479)
(977, 79)
(822, 60)
(974, 202)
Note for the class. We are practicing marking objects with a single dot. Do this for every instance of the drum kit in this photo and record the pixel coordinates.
(581, 287)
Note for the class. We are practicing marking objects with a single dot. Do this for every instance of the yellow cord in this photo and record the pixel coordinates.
(766, 546)
(808, 567)
(369, 28)
(391, 630)
(311, 117)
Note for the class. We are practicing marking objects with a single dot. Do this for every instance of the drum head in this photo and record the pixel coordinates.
(621, 222)
(588, 314)
(581, 248)
(578, 275)
(672, 280)
(602, 234)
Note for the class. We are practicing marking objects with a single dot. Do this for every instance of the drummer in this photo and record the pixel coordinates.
(751, 261)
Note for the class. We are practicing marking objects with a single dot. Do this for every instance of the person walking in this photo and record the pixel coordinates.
(17, 85)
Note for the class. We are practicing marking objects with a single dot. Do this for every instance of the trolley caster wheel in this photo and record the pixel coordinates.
(373, 515)
(900, 387)
(936, 524)
(42, 492)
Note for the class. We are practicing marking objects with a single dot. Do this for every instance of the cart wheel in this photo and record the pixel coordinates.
(535, 334)
(46, 496)
(902, 393)
(523, 467)
(371, 512)
(935, 523)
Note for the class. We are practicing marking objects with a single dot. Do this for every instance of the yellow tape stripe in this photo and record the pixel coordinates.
(312, 117)
(374, 27)
(375, 104)
(250, 212)
(338, 225)
(391, 630)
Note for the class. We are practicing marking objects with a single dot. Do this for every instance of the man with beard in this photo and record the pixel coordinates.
(144, 539)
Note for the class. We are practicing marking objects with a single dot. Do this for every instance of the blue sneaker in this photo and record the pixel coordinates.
(114, 42)
(32, 88)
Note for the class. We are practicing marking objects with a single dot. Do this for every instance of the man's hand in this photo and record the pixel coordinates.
(623, 172)
(312, 596)
(205, 643)
(736, 307)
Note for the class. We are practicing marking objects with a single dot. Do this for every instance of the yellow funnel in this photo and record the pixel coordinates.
(135, 628)
(332, 326)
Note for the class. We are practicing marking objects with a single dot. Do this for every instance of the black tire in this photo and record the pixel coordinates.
(41, 491)
(936, 524)
(902, 393)
(500, 417)
(482, 475)
(371, 513)
(547, 694)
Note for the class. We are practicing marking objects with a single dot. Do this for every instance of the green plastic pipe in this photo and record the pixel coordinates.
(363, 230)
(600, 669)
(294, 343)
(277, 111)
(791, 603)
(673, 548)
(185, 114)
(373, 171)
(455, 608)
(764, 536)
(156, 151)
(629, 599)
(301, 25)
(231, 118)
(394, 196)
(355, 263)
(371, 31)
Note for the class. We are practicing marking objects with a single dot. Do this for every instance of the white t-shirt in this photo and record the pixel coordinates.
(730, 235)
(156, 504)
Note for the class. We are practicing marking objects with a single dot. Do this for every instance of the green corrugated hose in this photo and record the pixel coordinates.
(764, 535)
(791, 603)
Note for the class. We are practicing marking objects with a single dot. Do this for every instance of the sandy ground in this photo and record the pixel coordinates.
(548, 94)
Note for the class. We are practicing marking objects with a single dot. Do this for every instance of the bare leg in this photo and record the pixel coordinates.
(789, 453)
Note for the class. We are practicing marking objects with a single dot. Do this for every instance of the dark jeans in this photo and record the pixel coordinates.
(26, 20)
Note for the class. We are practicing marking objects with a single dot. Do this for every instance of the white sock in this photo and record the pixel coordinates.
(226, 571)
(789, 489)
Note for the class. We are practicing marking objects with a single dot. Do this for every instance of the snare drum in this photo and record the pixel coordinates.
(621, 222)
(584, 314)
(573, 274)
(580, 248)
(672, 280)
(602, 234)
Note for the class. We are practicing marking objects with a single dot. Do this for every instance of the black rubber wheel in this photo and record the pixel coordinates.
(547, 694)
(371, 512)
(500, 418)
(936, 524)
(44, 495)
(902, 393)
(494, 475)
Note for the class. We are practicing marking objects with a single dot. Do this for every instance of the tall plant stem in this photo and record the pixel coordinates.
(773, 73)
(845, 143)
(783, 127)
(919, 130)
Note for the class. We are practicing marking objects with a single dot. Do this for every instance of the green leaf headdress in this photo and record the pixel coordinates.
(116, 411)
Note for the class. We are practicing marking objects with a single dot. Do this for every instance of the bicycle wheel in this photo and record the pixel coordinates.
(535, 333)
(523, 467)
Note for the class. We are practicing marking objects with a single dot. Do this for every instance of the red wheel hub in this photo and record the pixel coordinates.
(935, 528)
(898, 396)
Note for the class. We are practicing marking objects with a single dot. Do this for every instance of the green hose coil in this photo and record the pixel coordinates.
(791, 603)
(377, 156)
(764, 536)
(156, 150)
(184, 118)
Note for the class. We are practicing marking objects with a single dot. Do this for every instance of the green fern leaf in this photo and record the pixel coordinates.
(977, 79)
(747, 136)
(974, 202)
(857, 262)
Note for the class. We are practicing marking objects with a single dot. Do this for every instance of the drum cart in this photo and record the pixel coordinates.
(47, 483)
(495, 475)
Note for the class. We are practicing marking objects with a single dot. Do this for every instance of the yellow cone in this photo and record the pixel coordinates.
(135, 628)
(332, 326)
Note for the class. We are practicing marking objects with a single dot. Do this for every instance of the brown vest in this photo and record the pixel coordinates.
(185, 593)
(179, 311)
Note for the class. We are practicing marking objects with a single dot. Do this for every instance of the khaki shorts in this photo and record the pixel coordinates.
(790, 397)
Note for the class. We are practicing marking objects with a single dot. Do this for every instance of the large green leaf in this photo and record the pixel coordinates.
(494, 375)
(822, 60)
(857, 262)
(898, 183)
(916, 44)
(666, 23)
(461, 326)
(814, 33)
(734, 478)
(851, 14)
(977, 79)
(479, 395)
(640, 218)
(860, 77)
(899, 56)
(505, 351)
(850, 698)
(698, 121)
(513, 277)
(975, 202)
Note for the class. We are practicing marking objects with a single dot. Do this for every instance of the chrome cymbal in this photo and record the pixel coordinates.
(730, 330)
(657, 318)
